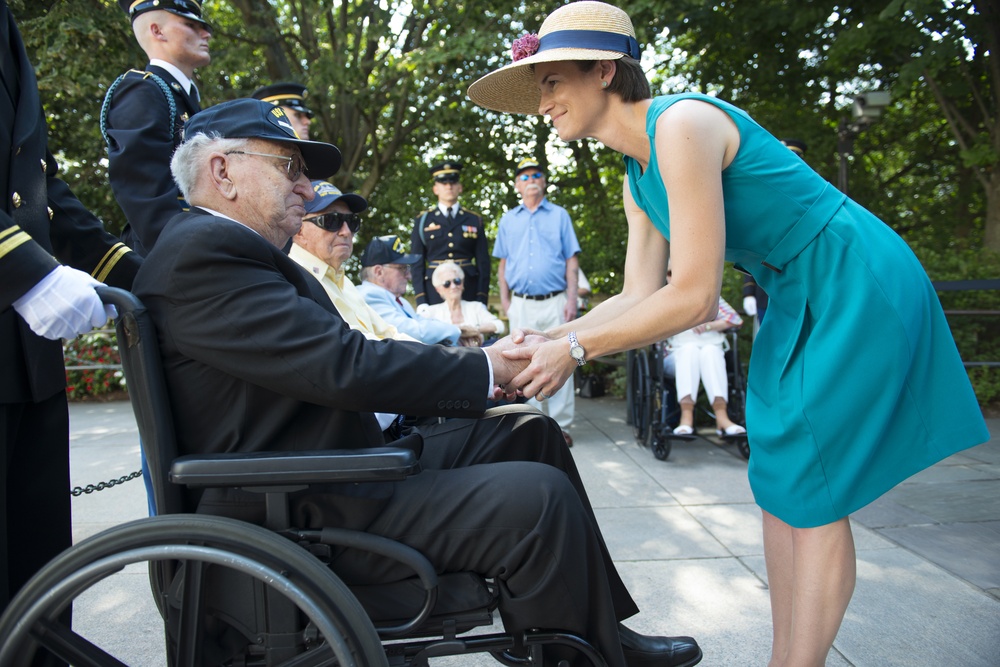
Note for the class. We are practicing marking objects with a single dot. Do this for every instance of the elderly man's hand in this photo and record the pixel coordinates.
(476, 340)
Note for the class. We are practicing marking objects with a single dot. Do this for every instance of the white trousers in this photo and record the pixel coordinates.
(543, 315)
(701, 363)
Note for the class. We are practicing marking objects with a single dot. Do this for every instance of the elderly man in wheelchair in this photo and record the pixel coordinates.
(271, 393)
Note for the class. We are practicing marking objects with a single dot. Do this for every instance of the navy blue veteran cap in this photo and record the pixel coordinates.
(528, 163)
(386, 250)
(797, 146)
(189, 9)
(285, 94)
(247, 118)
(328, 193)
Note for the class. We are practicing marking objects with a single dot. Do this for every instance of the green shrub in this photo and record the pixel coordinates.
(93, 349)
(977, 336)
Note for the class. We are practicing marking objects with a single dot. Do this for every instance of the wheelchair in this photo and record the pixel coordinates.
(234, 593)
(651, 400)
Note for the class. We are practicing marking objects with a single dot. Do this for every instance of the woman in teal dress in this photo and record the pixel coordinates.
(855, 383)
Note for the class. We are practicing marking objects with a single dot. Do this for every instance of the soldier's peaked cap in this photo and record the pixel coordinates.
(189, 9)
(284, 94)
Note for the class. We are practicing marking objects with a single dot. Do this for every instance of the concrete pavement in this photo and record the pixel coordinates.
(686, 536)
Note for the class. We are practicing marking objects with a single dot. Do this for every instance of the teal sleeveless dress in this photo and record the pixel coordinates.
(855, 383)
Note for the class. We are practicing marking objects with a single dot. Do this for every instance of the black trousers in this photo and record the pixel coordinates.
(501, 496)
(35, 509)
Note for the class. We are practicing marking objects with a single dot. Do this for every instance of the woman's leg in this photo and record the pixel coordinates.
(713, 374)
(688, 375)
(811, 574)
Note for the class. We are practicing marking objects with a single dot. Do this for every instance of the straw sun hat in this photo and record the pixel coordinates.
(577, 31)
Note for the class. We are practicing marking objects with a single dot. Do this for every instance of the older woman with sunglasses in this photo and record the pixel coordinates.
(473, 317)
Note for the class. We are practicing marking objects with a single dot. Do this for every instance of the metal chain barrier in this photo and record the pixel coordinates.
(90, 488)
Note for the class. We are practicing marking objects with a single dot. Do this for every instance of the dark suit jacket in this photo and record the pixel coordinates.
(142, 141)
(463, 240)
(41, 225)
(257, 358)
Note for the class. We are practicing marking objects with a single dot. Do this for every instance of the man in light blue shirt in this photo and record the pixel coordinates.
(385, 272)
(538, 272)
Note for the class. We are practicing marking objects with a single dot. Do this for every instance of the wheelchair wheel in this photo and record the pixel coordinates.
(661, 448)
(641, 406)
(328, 625)
(743, 446)
(655, 391)
(737, 383)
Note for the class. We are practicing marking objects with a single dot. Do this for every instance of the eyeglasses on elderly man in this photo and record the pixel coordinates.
(294, 166)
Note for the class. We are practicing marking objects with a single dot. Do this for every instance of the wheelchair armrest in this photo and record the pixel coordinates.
(261, 469)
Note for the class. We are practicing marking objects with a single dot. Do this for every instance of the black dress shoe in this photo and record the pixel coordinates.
(647, 651)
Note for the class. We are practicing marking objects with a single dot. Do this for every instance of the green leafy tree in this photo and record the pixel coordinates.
(795, 66)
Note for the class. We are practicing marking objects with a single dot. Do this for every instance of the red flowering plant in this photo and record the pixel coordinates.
(524, 46)
(93, 366)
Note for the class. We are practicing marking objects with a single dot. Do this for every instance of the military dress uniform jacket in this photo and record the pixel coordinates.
(436, 238)
(42, 224)
(257, 357)
(141, 143)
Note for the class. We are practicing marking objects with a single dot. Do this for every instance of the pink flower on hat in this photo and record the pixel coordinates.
(524, 46)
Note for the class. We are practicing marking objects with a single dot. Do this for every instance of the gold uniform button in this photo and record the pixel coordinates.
(450, 234)
(16, 199)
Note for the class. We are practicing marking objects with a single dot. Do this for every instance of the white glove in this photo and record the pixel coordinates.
(750, 305)
(422, 307)
(63, 304)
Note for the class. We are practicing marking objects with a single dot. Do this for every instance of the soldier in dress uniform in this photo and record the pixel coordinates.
(292, 98)
(44, 231)
(448, 231)
(142, 126)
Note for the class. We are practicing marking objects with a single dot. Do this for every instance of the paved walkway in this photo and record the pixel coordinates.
(687, 539)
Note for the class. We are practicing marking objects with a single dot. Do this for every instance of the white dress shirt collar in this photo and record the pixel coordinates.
(181, 77)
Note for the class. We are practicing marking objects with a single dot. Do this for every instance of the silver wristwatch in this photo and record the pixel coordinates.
(576, 350)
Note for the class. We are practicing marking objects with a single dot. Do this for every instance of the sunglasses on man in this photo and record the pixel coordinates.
(536, 175)
(332, 222)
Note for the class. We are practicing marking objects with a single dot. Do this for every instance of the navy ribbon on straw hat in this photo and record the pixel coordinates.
(590, 39)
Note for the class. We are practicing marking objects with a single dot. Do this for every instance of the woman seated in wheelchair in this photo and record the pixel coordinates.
(698, 355)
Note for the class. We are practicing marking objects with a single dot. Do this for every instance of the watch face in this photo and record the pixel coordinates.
(576, 352)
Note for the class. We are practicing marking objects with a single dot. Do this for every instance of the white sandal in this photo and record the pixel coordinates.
(684, 429)
(732, 429)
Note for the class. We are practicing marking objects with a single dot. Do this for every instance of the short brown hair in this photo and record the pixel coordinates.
(630, 82)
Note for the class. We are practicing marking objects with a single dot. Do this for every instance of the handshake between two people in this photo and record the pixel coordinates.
(529, 363)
